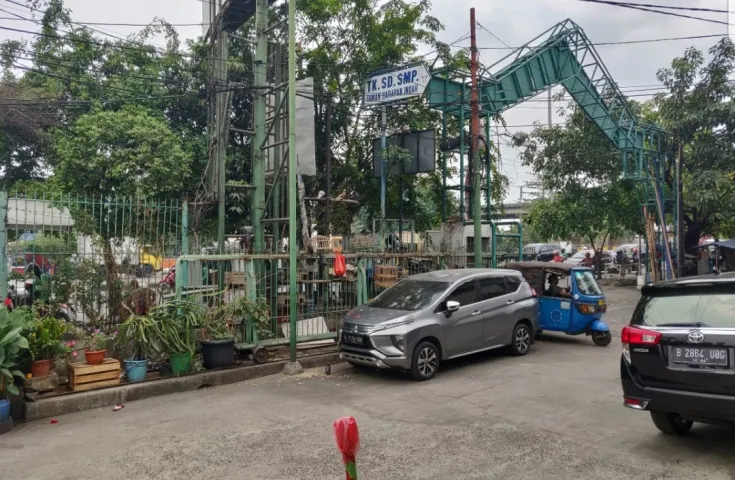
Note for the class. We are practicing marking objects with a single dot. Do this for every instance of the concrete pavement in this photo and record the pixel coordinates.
(555, 413)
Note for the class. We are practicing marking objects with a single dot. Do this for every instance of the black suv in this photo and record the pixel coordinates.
(679, 353)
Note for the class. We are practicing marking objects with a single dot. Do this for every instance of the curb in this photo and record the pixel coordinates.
(63, 404)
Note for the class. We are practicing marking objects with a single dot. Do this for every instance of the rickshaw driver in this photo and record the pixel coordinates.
(555, 290)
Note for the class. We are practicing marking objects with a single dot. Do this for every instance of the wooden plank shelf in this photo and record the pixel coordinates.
(83, 377)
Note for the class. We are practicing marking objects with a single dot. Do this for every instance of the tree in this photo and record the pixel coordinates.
(699, 113)
(124, 153)
(580, 165)
(594, 214)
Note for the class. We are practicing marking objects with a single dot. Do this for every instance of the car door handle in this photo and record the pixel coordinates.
(510, 302)
(476, 312)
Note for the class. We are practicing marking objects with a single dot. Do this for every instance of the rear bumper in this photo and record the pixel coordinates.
(703, 407)
(373, 358)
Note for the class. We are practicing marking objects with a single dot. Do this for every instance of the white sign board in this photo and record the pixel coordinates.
(398, 84)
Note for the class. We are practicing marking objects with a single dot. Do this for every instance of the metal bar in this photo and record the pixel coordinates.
(475, 132)
(244, 132)
(4, 243)
(275, 25)
(274, 118)
(328, 148)
(293, 243)
(260, 66)
(275, 179)
(276, 144)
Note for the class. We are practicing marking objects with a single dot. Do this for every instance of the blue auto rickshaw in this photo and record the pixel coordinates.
(574, 310)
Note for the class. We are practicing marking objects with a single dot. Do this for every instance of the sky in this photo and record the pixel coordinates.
(512, 23)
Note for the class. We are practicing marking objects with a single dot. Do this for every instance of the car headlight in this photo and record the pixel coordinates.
(398, 342)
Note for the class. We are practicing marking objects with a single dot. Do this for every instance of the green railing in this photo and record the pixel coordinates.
(88, 253)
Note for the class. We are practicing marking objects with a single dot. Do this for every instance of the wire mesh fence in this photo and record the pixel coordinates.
(323, 298)
(91, 255)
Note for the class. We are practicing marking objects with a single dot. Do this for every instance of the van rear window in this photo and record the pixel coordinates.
(687, 307)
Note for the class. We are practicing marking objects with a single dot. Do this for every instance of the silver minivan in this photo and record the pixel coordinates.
(431, 317)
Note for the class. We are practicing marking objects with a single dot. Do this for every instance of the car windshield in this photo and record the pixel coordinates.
(687, 309)
(409, 295)
(586, 283)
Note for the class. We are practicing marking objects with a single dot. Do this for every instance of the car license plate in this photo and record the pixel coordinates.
(353, 339)
(699, 356)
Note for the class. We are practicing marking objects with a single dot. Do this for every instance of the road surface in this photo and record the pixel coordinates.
(556, 413)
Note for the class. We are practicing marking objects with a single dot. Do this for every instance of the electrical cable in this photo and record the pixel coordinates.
(623, 5)
(668, 7)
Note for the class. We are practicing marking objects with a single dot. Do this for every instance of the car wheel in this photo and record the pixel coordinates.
(425, 361)
(602, 339)
(521, 340)
(671, 423)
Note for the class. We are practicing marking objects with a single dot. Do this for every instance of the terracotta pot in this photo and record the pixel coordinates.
(40, 368)
(95, 357)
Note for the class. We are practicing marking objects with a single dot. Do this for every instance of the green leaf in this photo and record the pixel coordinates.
(23, 343)
(10, 336)
(12, 389)
(18, 374)
(2, 355)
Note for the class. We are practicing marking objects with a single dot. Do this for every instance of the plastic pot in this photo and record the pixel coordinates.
(180, 363)
(136, 370)
(4, 410)
(218, 353)
(40, 368)
(95, 357)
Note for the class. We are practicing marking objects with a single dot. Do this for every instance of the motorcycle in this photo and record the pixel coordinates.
(168, 283)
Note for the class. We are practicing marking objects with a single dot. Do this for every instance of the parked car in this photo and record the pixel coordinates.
(541, 252)
(431, 317)
(678, 357)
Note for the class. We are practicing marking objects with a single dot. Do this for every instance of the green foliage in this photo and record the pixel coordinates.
(45, 338)
(128, 153)
(11, 343)
(698, 111)
(99, 340)
(176, 324)
(140, 332)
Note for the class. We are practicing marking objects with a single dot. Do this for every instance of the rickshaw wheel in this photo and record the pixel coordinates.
(260, 355)
(602, 339)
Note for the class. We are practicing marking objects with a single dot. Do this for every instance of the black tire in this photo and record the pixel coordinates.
(602, 339)
(424, 361)
(671, 423)
(521, 340)
(146, 270)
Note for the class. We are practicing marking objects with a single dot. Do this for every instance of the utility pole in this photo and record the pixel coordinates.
(679, 211)
(475, 132)
(549, 105)
(383, 167)
(260, 66)
(328, 146)
(222, 135)
(293, 367)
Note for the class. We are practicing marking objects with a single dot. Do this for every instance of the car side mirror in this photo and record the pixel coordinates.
(452, 306)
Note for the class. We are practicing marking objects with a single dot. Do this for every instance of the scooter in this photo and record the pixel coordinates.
(168, 283)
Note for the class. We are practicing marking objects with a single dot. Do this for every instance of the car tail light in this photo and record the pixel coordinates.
(639, 336)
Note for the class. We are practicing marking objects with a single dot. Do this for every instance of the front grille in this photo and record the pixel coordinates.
(358, 329)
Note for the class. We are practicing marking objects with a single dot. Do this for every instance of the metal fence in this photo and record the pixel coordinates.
(322, 297)
(90, 254)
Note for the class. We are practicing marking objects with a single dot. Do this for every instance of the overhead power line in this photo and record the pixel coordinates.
(668, 7)
(662, 12)
(629, 42)
(112, 24)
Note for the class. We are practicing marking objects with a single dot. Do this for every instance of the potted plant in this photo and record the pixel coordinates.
(97, 347)
(218, 343)
(45, 344)
(139, 333)
(176, 322)
(11, 343)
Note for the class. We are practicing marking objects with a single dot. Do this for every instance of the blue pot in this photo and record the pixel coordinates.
(136, 370)
(4, 410)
